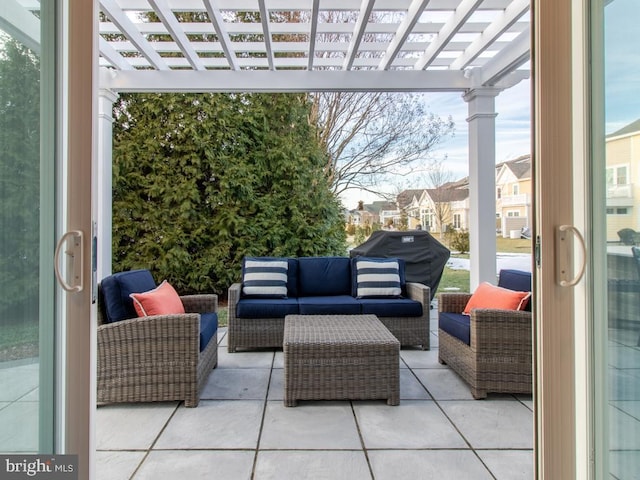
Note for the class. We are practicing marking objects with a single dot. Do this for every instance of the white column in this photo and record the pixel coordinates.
(482, 184)
(106, 98)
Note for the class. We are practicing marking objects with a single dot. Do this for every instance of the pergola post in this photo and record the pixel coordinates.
(482, 182)
(104, 216)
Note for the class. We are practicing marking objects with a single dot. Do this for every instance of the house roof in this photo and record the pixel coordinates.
(405, 197)
(521, 167)
(448, 194)
(627, 129)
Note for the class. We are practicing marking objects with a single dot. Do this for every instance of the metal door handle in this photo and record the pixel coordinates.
(76, 254)
(564, 256)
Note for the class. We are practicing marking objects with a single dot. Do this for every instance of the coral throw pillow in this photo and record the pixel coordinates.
(163, 300)
(490, 296)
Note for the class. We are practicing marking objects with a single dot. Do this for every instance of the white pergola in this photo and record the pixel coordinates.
(475, 47)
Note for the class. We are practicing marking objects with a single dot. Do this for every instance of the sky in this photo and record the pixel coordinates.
(513, 133)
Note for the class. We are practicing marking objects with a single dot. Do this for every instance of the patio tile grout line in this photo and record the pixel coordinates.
(264, 413)
(437, 403)
(155, 440)
(364, 448)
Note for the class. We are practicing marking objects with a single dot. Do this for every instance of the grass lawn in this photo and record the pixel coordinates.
(18, 340)
(460, 278)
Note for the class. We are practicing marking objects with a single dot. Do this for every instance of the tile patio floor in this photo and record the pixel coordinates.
(242, 430)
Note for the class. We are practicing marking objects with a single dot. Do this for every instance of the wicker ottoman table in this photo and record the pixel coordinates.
(340, 357)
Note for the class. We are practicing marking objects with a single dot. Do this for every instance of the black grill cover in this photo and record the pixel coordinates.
(424, 256)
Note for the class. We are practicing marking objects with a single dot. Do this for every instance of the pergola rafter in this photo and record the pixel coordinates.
(313, 35)
(175, 30)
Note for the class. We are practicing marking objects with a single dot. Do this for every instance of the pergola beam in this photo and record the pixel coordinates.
(405, 28)
(287, 81)
(20, 24)
(510, 16)
(315, 12)
(453, 25)
(110, 53)
(129, 30)
(358, 33)
(175, 30)
(264, 18)
(218, 24)
(517, 53)
(345, 5)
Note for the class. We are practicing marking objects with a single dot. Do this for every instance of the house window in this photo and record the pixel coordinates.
(513, 213)
(457, 221)
(499, 193)
(617, 211)
(515, 189)
(617, 175)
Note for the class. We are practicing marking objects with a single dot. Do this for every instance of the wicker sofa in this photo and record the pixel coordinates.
(490, 349)
(153, 358)
(324, 286)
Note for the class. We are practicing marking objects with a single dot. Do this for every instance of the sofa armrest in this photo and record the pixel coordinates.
(203, 303)
(453, 302)
(419, 292)
(232, 300)
(501, 332)
(158, 338)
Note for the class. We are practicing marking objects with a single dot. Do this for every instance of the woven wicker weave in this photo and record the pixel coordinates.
(338, 357)
(157, 358)
(268, 332)
(500, 357)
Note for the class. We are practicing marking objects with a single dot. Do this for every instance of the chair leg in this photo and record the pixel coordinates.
(478, 393)
(191, 402)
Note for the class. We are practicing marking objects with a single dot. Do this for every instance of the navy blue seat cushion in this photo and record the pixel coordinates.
(354, 274)
(391, 307)
(266, 307)
(292, 272)
(330, 305)
(116, 289)
(516, 280)
(208, 328)
(324, 276)
(457, 325)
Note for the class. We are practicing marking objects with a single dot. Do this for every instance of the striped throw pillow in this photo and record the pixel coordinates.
(265, 278)
(378, 278)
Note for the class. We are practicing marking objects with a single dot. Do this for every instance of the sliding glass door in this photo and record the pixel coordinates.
(27, 228)
(615, 47)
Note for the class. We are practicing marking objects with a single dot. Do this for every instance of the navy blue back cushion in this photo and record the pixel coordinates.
(292, 273)
(516, 280)
(354, 273)
(323, 276)
(116, 289)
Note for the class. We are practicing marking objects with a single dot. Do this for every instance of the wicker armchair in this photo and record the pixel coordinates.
(499, 356)
(155, 358)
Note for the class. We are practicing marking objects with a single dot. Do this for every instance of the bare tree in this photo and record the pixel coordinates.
(369, 136)
(442, 192)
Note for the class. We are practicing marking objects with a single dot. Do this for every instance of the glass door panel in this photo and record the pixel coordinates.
(27, 173)
(616, 168)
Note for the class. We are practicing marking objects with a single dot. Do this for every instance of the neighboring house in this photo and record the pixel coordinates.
(433, 209)
(446, 205)
(408, 201)
(513, 195)
(623, 167)
(370, 214)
